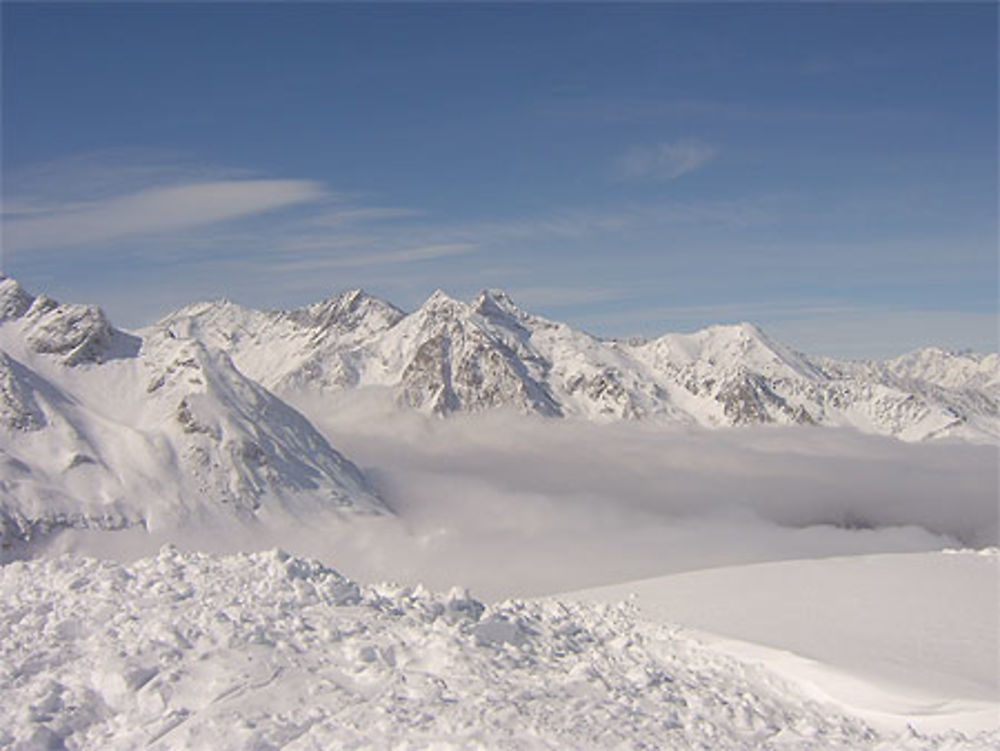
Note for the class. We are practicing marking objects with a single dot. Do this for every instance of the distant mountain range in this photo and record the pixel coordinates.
(450, 356)
(190, 417)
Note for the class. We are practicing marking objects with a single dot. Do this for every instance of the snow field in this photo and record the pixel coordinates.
(897, 639)
(268, 651)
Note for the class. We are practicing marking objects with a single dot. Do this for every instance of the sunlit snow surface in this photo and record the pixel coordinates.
(899, 639)
(269, 651)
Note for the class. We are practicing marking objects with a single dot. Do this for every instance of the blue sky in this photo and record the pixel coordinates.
(826, 171)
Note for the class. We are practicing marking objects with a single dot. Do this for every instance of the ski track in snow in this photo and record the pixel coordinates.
(268, 651)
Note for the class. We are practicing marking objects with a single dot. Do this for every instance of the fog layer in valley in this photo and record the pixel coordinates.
(509, 505)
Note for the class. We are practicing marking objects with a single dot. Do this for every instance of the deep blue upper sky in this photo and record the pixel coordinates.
(828, 171)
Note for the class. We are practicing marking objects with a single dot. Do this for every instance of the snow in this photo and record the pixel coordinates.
(102, 429)
(909, 639)
(269, 651)
(449, 356)
(215, 430)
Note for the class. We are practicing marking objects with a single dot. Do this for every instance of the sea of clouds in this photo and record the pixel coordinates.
(513, 505)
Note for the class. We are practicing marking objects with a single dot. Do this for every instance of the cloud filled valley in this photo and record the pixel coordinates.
(479, 446)
(499, 377)
(511, 453)
(515, 506)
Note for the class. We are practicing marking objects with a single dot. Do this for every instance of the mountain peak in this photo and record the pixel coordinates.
(14, 301)
(750, 329)
(77, 333)
(740, 330)
(353, 296)
(492, 302)
(439, 295)
(441, 300)
(348, 311)
(451, 355)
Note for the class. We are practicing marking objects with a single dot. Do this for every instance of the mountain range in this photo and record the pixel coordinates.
(192, 417)
(450, 356)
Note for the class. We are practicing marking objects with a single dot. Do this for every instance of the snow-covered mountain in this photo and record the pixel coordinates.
(451, 356)
(191, 417)
(101, 428)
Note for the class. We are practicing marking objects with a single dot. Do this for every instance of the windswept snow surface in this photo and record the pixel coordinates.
(903, 639)
(268, 651)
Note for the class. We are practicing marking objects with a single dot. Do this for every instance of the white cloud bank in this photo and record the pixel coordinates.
(359, 259)
(152, 210)
(665, 161)
(510, 505)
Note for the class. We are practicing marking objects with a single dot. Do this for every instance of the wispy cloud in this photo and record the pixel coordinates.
(362, 259)
(559, 297)
(666, 160)
(469, 487)
(844, 61)
(359, 214)
(592, 221)
(154, 210)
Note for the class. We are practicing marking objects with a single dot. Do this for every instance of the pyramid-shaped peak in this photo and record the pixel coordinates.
(349, 310)
(439, 295)
(441, 299)
(749, 343)
(349, 299)
(205, 308)
(353, 296)
(495, 301)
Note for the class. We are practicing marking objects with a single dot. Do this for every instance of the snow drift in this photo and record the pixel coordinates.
(269, 651)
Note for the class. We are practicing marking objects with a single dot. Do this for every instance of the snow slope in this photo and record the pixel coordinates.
(901, 639)
(267, 651)
(450, 356)
(101, 428)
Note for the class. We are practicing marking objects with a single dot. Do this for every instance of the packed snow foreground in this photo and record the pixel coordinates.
(267, 651)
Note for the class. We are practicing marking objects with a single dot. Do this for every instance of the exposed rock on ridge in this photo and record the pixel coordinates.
(449, 356)
(104, 429)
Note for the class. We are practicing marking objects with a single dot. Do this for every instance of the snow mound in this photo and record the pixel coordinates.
(267, 651)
